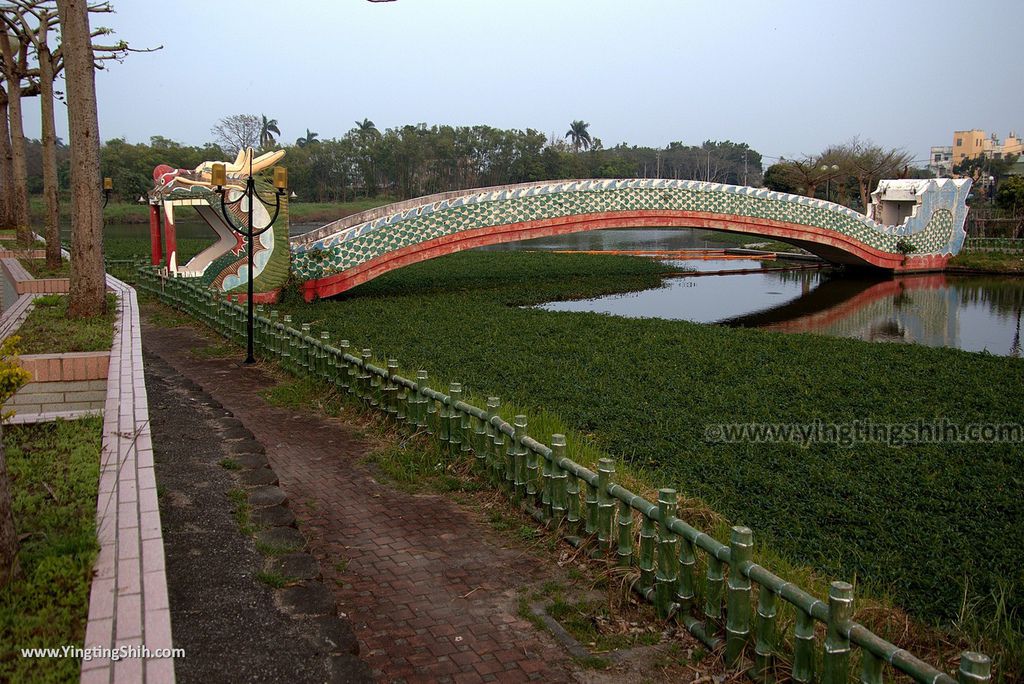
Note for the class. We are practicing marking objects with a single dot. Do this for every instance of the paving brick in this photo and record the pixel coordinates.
(410, 561)
(128, 670)
(129, 616)
(158, 627)
(100, 674)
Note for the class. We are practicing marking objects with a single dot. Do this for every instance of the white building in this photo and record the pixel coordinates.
(940, 162)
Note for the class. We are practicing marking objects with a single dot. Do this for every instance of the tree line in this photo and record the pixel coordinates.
(413, 160)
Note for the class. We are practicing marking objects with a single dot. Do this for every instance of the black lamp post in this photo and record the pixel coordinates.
(219, 178)
(830, 171)
(108, 186)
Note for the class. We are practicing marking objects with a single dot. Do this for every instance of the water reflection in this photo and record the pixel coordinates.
(971, 313)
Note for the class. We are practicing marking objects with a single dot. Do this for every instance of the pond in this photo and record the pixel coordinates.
(974, 313)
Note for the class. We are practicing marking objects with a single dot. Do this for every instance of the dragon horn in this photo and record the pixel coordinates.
(266, 160)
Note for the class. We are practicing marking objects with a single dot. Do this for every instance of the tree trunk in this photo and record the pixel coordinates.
(6, 168)
(51, 200)
(862, 183)
(87, 297)
(8, 535)
(19, 174)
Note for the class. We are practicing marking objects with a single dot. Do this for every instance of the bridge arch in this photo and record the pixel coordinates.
(352, 251)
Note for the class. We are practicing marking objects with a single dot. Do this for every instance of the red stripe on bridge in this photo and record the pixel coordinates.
(828, 244)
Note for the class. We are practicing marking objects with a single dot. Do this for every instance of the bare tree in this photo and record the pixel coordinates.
(48, 67)
(15, 58)
(87, 297)
(807, 173)
(869, 163)
(32, 21)
(6, 166)
(238, 132)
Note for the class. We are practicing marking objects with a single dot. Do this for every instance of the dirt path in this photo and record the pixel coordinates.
(432, 592)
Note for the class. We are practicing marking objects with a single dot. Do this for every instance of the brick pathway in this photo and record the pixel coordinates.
(431, 592)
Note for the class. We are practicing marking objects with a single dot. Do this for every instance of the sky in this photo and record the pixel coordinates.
(787, 77)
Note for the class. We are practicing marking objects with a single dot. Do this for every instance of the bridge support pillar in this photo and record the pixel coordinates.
(156, 250)
(171, 238)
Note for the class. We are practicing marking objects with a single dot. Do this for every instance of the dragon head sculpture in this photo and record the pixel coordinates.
(224, 265)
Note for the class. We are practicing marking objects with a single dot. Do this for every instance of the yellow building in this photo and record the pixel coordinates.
(976, 143)
(1013, 145)
(968, 144)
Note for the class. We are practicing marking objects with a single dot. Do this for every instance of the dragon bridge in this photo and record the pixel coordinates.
(911, 225)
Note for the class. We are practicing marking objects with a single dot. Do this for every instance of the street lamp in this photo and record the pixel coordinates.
(108, 187)
(218, 177)
(831, 171)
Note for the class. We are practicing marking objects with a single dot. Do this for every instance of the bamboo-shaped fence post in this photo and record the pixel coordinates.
(259, 325)
(376, 393)
(454, 420)
(605, 502)
(304, 364)
(647, 541)
(666, 578)
(803, 647)
(547, 473)
(326, 359)
(686, 590)
(481, 445)
(714, 581)
(559, 478)
(532, 470)
(764, 645)
(975, 668)
(413, 405)
(871, 668)
(347, 371)
(494, 451)
(465, 429)
(286, 348)
(401, 400)
(572, 494)
(624, 523)
(590, 500)
(518, 459)
(364, 375)
(510, 464)
(391, 389)
(422, 403)
(737, 627)
(443, 425)
(837, 644)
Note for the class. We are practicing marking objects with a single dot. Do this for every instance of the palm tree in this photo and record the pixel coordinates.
(308, 139)
(366, 128)
(268, 128)
(579, 135)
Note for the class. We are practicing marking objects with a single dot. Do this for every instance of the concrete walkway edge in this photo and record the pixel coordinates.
(128, 607)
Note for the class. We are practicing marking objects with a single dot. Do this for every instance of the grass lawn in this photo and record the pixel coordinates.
(996, 262)
(133, 248)
(38, 269)
(926, 525)
(54, 470)
(48, 330)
